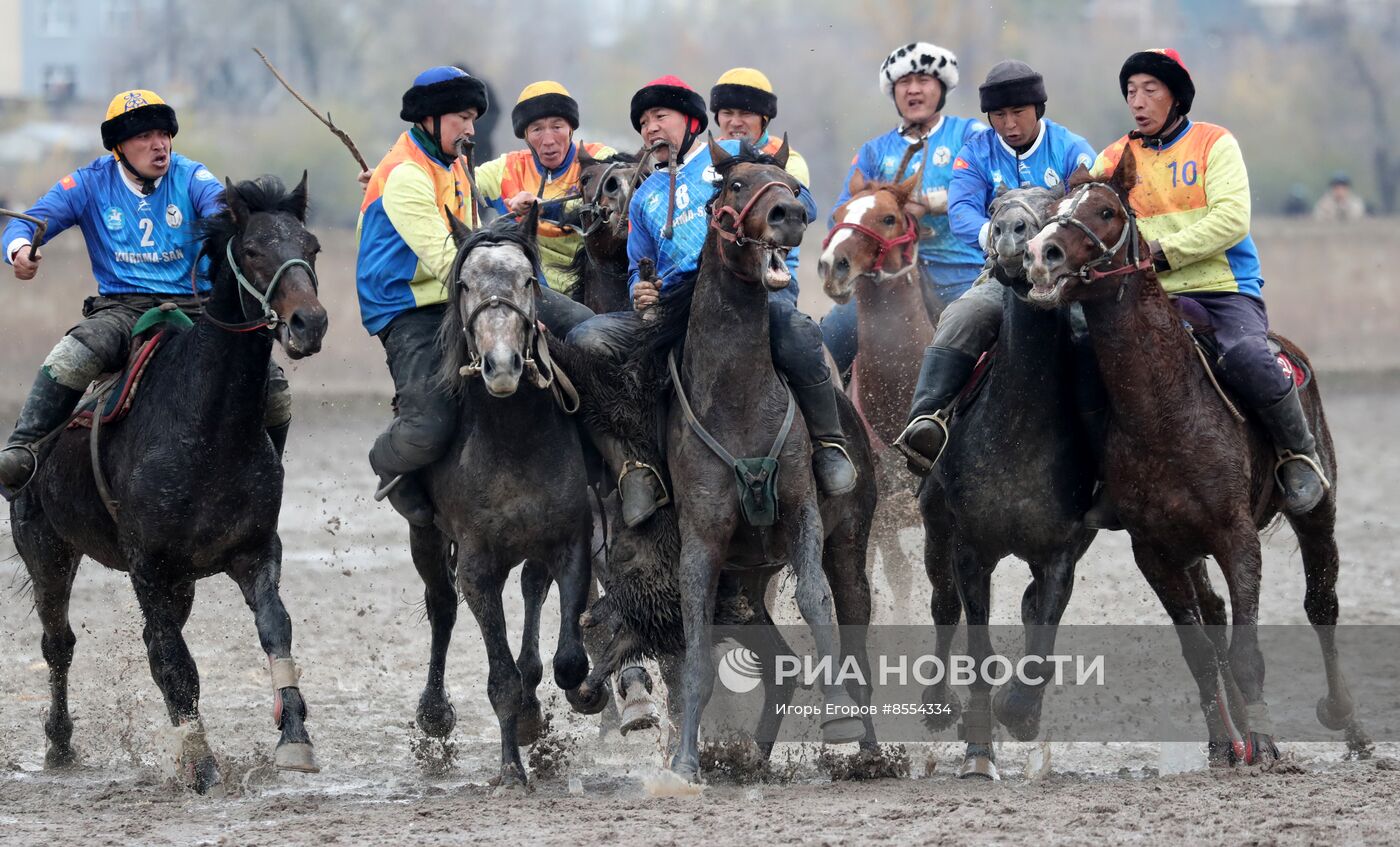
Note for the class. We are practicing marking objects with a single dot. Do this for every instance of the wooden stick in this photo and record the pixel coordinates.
(335, 130)
(40, 227)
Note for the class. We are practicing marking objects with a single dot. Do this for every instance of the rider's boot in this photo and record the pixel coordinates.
(831, 464)
(49, 405)
(278, 434)
(639, 484)
(1298, 471)
(405, 493)
(944, 373)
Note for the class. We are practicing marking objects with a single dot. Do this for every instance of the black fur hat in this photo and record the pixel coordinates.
(1011, 83)
(440, 90)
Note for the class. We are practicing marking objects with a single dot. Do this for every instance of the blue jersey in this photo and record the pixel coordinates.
(679, 256)
(137, 245)
(879, 158)
(986, 162)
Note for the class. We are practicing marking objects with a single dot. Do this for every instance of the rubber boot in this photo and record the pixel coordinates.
(1298, 471)
(278, 434)
(1102, 513)
(831, 464)
(639, 485)
(944, 373)
(47, 408)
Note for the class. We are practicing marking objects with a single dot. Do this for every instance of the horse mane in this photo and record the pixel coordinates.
(265, 194)
(503, 230)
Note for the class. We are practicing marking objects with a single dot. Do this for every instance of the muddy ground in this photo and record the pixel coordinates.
(362, 642)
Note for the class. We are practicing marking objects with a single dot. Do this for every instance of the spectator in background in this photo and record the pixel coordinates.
(1340, 203)
(1298, 203)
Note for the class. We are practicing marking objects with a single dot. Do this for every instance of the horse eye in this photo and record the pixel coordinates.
(889, 220)
(1106, 214)
(736, 185)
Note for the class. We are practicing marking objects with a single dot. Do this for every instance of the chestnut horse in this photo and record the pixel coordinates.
(1189, 478)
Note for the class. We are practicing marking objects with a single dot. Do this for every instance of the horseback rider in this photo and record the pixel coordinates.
(545, 117)
(1023, 149)
(667, 109)
(743, 103)
(1192, 203)
(404, 259)
(137, 210)
(918, 78)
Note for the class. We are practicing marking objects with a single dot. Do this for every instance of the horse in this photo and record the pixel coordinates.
(193, 483)
(601, 266)
(881, 270)
(1189, 475)
(1017, 440)
(511, 488)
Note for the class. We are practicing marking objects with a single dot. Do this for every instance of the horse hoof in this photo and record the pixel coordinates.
(296, 756)
(842, 730)
(436, 717)
(1260, 749)
(60, 758)
(1329, 716)
(679, 781)
(944, 710)
(589, 699)
(202, 775)
(511, 780)
(979, 767)
(529, 724)
(1018, 712)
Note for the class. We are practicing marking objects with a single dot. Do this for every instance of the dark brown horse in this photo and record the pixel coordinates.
(600, 268)
(1189, 478)
(871, 253)
(197, 481)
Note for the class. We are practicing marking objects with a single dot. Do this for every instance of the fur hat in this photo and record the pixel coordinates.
(669, 92)
(1011, 83)
(544, 99)
(747, 89)
(1165, 64)
(440, 90)
(134, 112)
(921, 57)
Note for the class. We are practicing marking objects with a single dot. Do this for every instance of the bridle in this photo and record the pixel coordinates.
(737, 237)
(270, 319)
(594, 207)
(907, 241)
(540, 377)
(1090, 272)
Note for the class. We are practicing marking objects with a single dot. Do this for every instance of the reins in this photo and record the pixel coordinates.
(270, 318)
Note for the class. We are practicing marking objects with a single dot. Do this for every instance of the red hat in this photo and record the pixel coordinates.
(670, 92)
(1165, 64)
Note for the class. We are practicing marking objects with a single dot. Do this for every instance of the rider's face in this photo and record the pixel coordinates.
(456, 126)
(916, 96)
(148, 153)
(1150, 101)
(738, 123)
(1016, 125)
(663, 124)
(549, 138)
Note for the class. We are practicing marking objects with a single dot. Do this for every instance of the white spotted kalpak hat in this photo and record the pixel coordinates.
(920, 57)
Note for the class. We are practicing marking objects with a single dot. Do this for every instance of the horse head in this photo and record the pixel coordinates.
(1092, 228)
(888, 247)
(606, 186)
(262, 239)
(1016, 217)
(490, 329)
(756, 213)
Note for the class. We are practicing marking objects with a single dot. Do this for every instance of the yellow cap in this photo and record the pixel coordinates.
(537, 89)
(747, 77)
(133, 99)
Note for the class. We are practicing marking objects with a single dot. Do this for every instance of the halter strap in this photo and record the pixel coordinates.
(594, 205)
(907, 241)
(1090, 272)
(269, 319)
(737, 237)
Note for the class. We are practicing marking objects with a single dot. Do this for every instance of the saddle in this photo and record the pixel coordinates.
(1198, 322)
(112, 397)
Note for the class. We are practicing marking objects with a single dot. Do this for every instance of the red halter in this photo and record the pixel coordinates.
(908, 240)
(737, 236)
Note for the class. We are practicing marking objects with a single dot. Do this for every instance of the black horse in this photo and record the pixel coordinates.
(1015, 479)
(600, 268)
(512, 487)
(196, 479)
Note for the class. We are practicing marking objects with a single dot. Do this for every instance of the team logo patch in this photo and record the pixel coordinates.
(133, 100)
(942, 156)
(173, 216)
(960, 164)
(996, 177)
(1052, 179)
(113, 219)
(203, 175)
(710, 175)
(653, 201)
(68, 183)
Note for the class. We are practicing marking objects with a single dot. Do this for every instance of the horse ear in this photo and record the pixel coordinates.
(299, 198)
(1001, 189)
(235, 204)
(460, 231)
(1125, 175)
(718, 157)
(781, 157)
(530, 224)
(856, 184)
(1080, 176)
(910, 186)
(584, 160)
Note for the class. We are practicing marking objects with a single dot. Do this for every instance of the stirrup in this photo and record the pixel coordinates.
(631, 465)
(388, 487)
(855, 472)
(1286, 456)
(33, 471)
(913, 456)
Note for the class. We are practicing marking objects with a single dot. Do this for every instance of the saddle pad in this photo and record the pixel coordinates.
(122, 395)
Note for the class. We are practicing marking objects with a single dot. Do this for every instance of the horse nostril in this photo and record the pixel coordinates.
(612, 186)
(516, 363)
(843, 264)
(996, 230)
(777, 215)
(1054, 255)
(1020, 227)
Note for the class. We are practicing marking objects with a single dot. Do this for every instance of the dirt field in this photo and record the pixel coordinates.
(360, 637)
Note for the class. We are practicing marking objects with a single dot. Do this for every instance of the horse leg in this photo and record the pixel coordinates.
(1242, 562)
(1216, 618)
(534, 588)
(698, 577)
(841, 722)
(763, 637)
(52, 563)
(1172, 583)
(943, 709)
(1018, 704)
(843, 562)
(430, 551)
(166, 607)
(480, 582)
(975, 587)
(258, 581)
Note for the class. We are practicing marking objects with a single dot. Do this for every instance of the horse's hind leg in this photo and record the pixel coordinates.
(1242, 562)
(975, 588)
(574, 575)
(534, 587)
(480, 581)
(257, 579)
(1317, 541)
(843, 561)
(430, 552)
(943, 709)
(51, 563)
